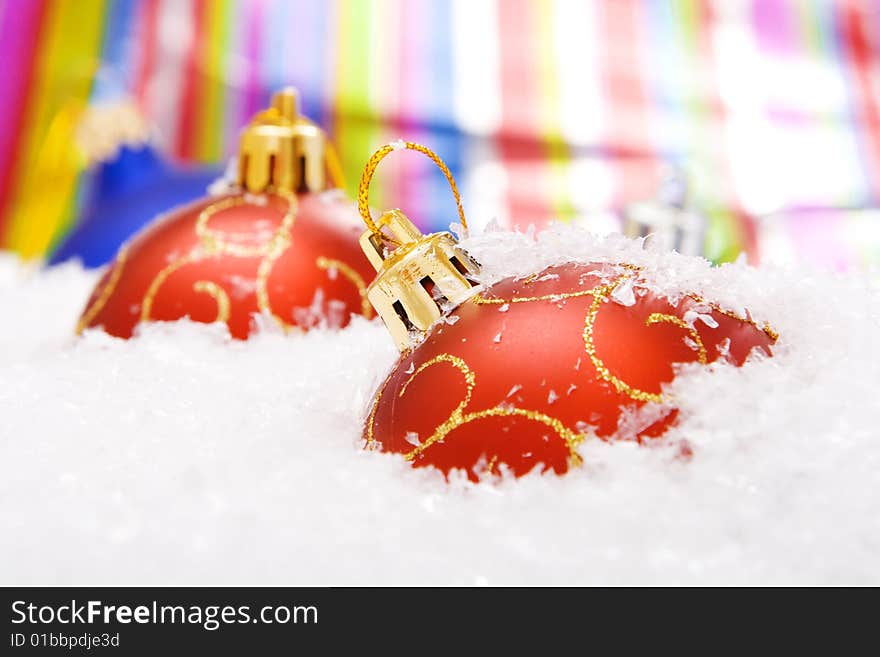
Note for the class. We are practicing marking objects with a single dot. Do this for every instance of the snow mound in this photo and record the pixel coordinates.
(184, 457)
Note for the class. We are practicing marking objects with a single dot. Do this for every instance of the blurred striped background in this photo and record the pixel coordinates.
(542, 108)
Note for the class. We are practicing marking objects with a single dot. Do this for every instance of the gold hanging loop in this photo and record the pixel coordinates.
(370, 169)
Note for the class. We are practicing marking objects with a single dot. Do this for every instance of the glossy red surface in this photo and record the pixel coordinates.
(229, 258)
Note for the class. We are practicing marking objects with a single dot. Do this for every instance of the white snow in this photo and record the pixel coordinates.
(692, 316)
(623, 293)
(183, 457)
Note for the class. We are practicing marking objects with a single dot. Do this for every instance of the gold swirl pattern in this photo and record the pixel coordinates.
(219, 295)
(480, 300)
(351, 275)
(372, 443)
(657, 318)
(600, 294)
(213, 243)
(106, 292)
(280, 242)
(459, 418)
(768, 330)
(153, 290)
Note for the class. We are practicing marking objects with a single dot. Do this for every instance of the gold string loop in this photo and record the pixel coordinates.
(370, 169)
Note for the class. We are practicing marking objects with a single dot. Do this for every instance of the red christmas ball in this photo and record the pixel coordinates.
(282, 246)
(522, 372)
(292, 256)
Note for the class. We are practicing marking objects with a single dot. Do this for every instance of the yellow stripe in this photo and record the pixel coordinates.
(558, 156)
(355, 124)
(210, 142)
(49, 169)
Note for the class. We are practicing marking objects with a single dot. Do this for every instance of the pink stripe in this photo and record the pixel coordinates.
(18, 31)
(774, 26)
(408, 183)
(146, 38)
(817, 238)
(19, 34)
(518, 142)
(253, 44)
(409, 62)
(629, 144)
(777, 34)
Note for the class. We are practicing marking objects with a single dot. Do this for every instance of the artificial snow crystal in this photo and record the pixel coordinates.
(692, 316)
(623, 293)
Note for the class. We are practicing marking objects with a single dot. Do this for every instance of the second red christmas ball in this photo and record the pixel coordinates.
(521, 373)
(284, 245)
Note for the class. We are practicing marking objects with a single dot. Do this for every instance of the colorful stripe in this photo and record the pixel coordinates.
(557, 154)
(544, 109)
(354, 122)
(148, 27)
(209, 126)
(42, 203)
(19, 39)
(520, 142)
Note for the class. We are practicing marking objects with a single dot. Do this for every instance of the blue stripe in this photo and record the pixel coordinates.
(443, 136)
(112, 78)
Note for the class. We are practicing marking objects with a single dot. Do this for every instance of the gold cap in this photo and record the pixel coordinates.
(282, 151)
(420, 277)
(419, 281)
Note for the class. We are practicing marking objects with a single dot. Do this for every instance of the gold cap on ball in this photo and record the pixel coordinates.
(281, 151)
(419, 281)
(420, 277)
